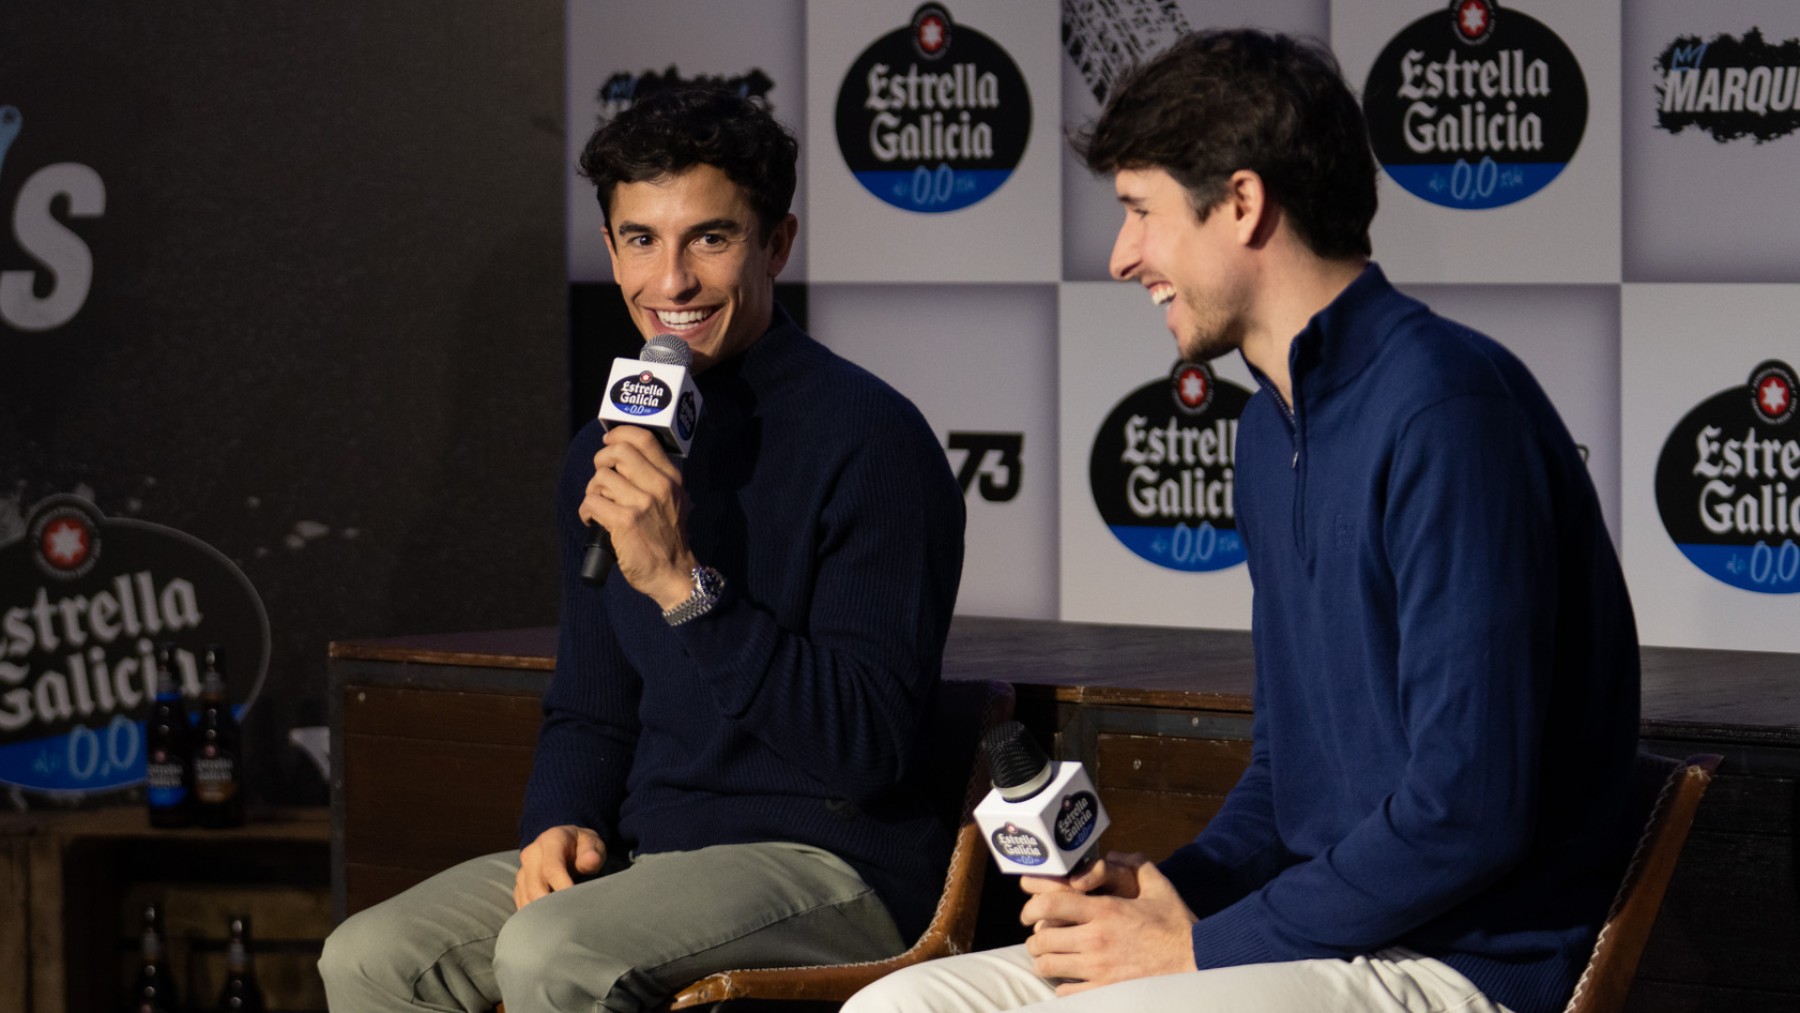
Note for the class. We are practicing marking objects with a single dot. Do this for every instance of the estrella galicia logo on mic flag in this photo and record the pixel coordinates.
(686, 416)
(1728, 483)
(1474, 107)
(84, 599)
(642, 394)
(1075, 819)
(934, 115)
(1163, 466)
(1020, 845)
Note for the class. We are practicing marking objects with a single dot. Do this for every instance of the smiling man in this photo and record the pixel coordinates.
(725, 772)
(1433, 818)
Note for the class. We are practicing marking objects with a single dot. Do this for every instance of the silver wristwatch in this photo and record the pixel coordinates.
(708, 582)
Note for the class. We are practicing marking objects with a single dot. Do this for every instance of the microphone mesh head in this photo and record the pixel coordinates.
(1013, 755)
(667, 349)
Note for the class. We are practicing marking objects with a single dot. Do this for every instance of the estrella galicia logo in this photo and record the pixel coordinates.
(934, 116)
(78, 629)
(642, 394)
(1162, 470)
(686, 415)
(1728, 483)
(1075, 821)
(1020, 845)
(1730, 88)
(1474, 107)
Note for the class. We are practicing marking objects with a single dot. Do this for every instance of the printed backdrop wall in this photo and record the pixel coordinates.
(299, 303)
(1583, 182)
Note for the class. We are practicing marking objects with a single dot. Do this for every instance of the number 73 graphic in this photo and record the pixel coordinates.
(994, 457)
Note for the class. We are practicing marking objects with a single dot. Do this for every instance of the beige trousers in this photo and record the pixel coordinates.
(1390, 981)
(624, 941)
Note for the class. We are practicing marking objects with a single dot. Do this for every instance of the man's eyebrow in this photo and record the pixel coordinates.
(1130, 199)
(717, 225)
(722, 224)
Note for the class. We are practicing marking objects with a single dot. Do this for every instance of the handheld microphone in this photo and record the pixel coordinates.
(1042, 817)
(654, 391)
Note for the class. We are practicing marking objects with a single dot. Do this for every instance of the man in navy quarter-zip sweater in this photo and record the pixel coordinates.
(1434, 816)
(725, 772)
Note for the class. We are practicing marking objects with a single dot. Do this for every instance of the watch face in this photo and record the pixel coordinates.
(708, 581)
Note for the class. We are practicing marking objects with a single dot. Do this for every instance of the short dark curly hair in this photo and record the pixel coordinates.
(673, 130)
(1222, 100)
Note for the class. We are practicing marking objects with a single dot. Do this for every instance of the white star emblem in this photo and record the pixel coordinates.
(1192, 388)
(1474, 19)
(68, 543)
(1774, 395)
(931, 34)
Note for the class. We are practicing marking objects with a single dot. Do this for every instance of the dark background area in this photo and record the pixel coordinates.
(328, 329)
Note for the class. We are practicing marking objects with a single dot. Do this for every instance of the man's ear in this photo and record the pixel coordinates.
(1248, 201)
(781, 243)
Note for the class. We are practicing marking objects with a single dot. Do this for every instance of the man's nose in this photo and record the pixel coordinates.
(1124, 262)
(675, 276)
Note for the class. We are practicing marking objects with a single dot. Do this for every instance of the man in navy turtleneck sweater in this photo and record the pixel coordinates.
(725, 775)
(1446, 696)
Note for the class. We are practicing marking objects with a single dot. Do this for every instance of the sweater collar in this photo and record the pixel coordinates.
(770, 356)
(1343, 338)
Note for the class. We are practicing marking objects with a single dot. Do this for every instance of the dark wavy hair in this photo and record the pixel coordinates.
(1223, 100)
(673, 130)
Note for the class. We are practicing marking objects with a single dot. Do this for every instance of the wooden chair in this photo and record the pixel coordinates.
(1669, 790)
(964, 711)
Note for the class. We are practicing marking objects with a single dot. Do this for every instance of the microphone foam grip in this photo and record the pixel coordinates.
(1014, 760)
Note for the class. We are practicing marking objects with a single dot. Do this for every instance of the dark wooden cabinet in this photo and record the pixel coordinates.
(435, 736)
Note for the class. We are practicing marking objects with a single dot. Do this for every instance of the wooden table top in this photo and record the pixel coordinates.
(1686, 693)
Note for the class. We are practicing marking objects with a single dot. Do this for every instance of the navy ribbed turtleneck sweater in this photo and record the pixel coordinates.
(791, 711)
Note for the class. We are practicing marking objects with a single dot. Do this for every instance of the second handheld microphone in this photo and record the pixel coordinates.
(654, 391)
(1042, 817)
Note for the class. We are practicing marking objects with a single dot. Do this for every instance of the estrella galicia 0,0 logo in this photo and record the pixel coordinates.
(1163, 466)
(1075, 819)
(933, 116)
(1473, 107)
(84, 599)
(1020, 845)
(642, 394)
(1728, 483)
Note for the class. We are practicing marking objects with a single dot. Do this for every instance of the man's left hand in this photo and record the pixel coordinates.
(637, 495)
(1090, 940)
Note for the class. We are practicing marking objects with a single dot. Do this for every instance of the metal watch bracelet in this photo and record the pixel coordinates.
(708, 583)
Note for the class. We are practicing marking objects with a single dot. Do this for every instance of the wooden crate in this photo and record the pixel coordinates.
(84, 876)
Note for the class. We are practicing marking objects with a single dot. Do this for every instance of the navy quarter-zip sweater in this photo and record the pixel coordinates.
(792, 710)
(1446, 697)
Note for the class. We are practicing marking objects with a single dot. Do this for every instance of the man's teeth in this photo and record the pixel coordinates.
(1162, 295)
(682, 318)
